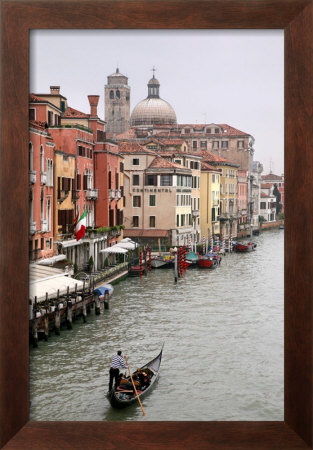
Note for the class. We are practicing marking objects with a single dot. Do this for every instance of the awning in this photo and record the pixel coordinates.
(70, 243)
(128, 245)
(39, 288)
(114, 249)
(51, 261)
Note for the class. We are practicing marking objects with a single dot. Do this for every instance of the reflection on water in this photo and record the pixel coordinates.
(223, 352)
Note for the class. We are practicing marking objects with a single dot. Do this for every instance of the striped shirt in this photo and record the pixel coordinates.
(117, 362)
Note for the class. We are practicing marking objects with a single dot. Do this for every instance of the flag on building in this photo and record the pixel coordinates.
(81, 226)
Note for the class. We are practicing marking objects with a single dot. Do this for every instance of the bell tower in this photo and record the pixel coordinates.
(117, 104)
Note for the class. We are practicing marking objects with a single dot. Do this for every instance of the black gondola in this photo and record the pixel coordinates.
(123, 396)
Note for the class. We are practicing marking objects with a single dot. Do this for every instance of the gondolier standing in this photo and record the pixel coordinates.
(117, 362)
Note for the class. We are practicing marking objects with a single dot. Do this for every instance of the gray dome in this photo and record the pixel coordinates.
(152, 111)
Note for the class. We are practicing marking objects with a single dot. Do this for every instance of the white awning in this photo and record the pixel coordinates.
(52, 260)
(114, 249)
(128, 245)
(70, 243)
(39, 288)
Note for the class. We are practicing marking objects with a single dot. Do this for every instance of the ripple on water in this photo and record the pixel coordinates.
(223, 354)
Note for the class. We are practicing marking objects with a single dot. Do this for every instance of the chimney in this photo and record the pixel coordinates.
(55, 90)
(93, 101)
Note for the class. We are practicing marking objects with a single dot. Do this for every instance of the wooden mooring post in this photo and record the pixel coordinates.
(106, 300)
(69, 316)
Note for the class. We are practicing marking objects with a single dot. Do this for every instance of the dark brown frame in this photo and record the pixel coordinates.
(296, 18)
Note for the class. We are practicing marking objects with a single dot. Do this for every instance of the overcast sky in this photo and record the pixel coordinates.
(210, 76)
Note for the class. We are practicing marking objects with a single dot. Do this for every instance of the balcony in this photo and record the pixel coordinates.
(92, 194)
(32, 176)
(32, 227)
(43, 178)
(111, 194)
(44, 226)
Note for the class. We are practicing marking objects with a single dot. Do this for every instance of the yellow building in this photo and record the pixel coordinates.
(209, 200)
(228, 208)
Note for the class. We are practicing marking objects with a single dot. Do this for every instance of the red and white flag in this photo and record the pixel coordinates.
(81, 226)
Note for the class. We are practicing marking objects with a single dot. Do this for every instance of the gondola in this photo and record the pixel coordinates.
(121, 397)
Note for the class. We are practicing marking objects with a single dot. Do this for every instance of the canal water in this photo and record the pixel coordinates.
(223, 345)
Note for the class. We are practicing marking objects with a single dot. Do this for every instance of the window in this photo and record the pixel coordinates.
(240, 144)
(135, 180)
(166, 180)
(50, 118)
(216, 144)
(31, 156)
(41, 205)
(194, 145)
(177, 200)
(136, 201)
(217, 130)
(213, 214)
(151, 200)
(187, 130)
(208, 130)
(118, 94)
(111, 95)
(42, 159)
(152, 221)
(224, 144)
(203, 144)
(136, 221)
(177, 220)
(213, 178)
(32, 114)
(49, 214)
(182, 220)
(135, 161)
(177, 161)
(151, 180)
(121, 167)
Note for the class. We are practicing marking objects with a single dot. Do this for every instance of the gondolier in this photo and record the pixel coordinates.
(117, 362)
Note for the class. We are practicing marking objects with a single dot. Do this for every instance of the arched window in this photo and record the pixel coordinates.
(111, 94)
(31, 156)
(118, 94)
(42, 159)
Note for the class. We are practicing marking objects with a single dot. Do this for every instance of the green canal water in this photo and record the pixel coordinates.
(223, 345)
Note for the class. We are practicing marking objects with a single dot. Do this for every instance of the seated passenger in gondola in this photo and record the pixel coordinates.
(142, 377)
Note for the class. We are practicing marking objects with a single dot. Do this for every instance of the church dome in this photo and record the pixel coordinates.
(153, 110)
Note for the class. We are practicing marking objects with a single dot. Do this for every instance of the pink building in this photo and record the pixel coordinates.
(41, 149)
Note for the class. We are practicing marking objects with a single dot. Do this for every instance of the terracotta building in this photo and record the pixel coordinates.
(41, 156)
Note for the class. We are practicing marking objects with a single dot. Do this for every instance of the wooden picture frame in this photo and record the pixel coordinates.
(296, 18)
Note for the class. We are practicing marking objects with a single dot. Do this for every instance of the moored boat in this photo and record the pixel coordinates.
(192, 259)
(244, 247)
(209, 261)
(158, 261)
(121, 396)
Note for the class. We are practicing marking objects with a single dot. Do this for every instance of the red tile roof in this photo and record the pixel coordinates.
(207, 156)
(34, 99)
(271, 176)
(162, 163)
(74, 113)
(205, 166)
(133, 147)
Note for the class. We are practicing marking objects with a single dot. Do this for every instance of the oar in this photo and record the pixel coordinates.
(130, 374)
